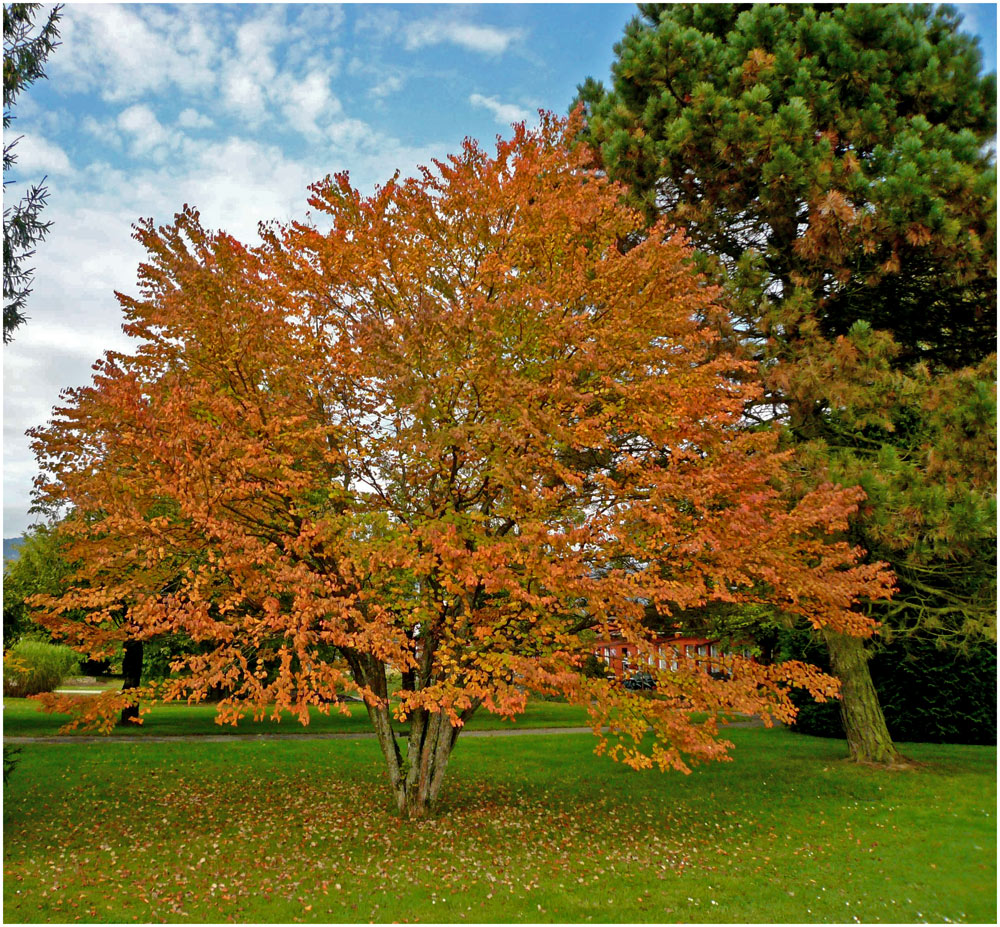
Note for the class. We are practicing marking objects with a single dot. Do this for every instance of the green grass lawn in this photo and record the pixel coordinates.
(531, 828)
(21, 718)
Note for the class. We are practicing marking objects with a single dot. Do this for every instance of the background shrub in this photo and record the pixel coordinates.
(938, 696)
(30, 667)
(927, 694)
(593, 668)
(159, 652)
(95, 667)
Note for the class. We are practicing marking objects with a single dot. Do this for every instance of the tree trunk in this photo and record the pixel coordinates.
(416, 779)
(132, 673)
(868, 737)
(432, 739)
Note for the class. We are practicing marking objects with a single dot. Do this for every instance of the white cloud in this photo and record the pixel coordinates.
(490, 40)
(28, 111)
(243, 93)
(104, 130)
(193, 119)
(315, 19)
(210, 54)
(145, 132)
(348, 134)
(236, 183)
(125, 52)
(504, 113)
(255, 89)
(139, 119)
(306, 99)
(249, 70)
(387, 83)
(36, 156)
(267, 64)
(72, 319)
(255, 41)
(387, 79)
(380, 21)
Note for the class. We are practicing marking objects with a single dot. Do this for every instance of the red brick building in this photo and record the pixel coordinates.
(622, 660)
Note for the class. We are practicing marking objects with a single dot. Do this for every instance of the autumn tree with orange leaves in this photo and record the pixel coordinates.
(448, 435)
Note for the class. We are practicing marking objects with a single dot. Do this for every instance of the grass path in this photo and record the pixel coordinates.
(303, 735)
(24, 722)
(531, 828)
(271, 735)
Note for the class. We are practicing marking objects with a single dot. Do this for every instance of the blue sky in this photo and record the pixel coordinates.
(236, 109)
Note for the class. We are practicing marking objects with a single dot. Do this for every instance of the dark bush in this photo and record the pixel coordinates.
(593, 668)
(927, 694)
(95, 667)
(157, 654)
(821, 719)
(938, 696)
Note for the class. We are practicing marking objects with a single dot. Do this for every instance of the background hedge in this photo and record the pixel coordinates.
(928, 695)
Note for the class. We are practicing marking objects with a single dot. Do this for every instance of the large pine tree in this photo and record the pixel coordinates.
(833, 165)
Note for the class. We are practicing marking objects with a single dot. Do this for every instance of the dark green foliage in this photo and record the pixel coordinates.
(928, 694)
(10, 761)
(593, 668)
(929, 470)
(95, 667)
(159, 652)
(24, 54)
(939, 696)
(820, 719)
(845, 146)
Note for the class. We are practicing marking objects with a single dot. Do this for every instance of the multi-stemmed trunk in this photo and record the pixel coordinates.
(416, 778)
